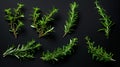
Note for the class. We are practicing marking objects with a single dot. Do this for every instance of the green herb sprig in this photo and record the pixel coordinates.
(98, 52)
(24, 51)
(59, 52)
(73, 15)
(41, 25)
(105, 19)
(14, 17)
(35, 17)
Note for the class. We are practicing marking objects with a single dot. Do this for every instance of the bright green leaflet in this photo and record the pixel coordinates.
(105, 20)
(24, 51)
(14, 18)
(98, 52)
(59, 52)
(73, 15)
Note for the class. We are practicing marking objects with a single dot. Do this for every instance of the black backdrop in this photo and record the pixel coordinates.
(88, 24)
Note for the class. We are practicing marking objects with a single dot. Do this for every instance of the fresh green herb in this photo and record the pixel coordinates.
(105, 20)
(73, 15)
(35, 17)
(98, 52)
(24, 51)
(41, 25)
(59, 52)
(14, 19)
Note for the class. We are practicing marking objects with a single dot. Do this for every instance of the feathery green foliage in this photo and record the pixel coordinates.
(41, 25)
(105, 19)
(73, 15)
(24, 51)
(14, 18)
(59, 52)
(98, 52)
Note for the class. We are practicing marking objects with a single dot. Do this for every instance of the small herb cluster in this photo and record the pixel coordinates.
(24, 51)
(59, 52)
(73, 15)
(41, 25)
(105, 20)
(98, 52)
(14, 17)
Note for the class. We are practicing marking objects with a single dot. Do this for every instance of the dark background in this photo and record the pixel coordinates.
(88, 25)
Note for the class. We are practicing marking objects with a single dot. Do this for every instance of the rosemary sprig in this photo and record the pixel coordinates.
(105, 19)
(41, 25)
(14, 17)
(98, 52)
(24, 51)
(59, 52)
(35, 17)
(73, 15)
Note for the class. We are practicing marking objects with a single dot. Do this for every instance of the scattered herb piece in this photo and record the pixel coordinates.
(73, 15)
(105, 19)
(59, 52)
(24, 51)
(98, 52)
(41, 25)
(14, 17)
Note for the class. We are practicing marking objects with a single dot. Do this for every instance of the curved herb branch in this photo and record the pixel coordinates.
(105, 20)
(14, 19)
(24, 51)
(41, 25)
(98, 52)
(59, 52)
(73, 15)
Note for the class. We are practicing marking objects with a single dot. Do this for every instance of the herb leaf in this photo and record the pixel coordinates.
(41, 25)
(24, 51)
(59, 52)
(105, 19)
(73, 15)
(14, 17)
(98, 52)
